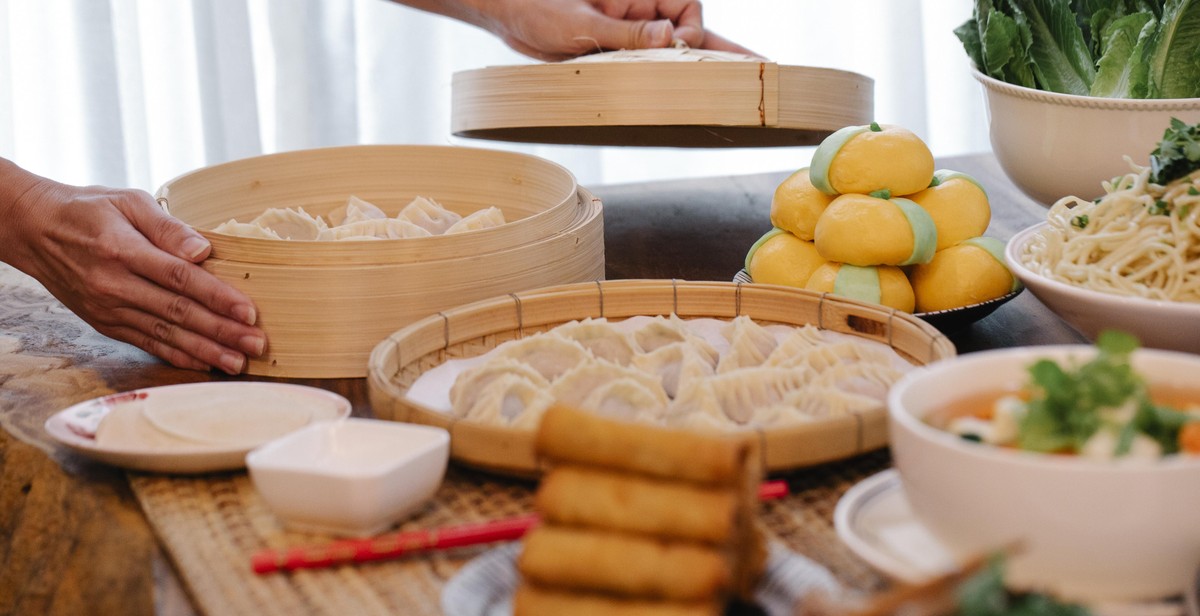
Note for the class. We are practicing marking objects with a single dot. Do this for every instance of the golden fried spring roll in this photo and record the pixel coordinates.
(622, 564)
(573, 436)
(537, 601)
(578, 496)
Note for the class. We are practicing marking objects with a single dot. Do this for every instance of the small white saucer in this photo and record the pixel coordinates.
(875, 521)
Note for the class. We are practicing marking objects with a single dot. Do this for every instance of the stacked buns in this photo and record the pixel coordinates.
(640, 520)
(872, 220)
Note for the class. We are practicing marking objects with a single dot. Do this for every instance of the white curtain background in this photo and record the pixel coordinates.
(135, 92)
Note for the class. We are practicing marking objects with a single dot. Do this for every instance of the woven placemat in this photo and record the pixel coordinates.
(211, 525)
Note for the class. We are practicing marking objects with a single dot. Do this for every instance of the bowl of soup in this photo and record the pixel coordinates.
(1111, 520)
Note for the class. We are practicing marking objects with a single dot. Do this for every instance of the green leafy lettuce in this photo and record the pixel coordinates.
(1110, 48)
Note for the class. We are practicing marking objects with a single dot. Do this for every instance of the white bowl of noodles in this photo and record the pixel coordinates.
(1128, 261)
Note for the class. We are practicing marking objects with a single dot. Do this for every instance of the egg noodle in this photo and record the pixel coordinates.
(1140, 239)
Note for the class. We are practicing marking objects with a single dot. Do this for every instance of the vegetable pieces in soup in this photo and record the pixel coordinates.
(1098, 409)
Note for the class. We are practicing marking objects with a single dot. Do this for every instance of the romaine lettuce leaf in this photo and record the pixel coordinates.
(1123, 39)
(1173, 53)
(1062, 61)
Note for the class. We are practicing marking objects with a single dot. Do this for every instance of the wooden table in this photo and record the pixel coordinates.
(73, 539)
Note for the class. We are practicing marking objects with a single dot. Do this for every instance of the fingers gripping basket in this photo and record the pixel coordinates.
(472, 330)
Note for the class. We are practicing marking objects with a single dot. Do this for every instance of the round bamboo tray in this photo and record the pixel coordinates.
(679, 104)
(474, 329)
(325, 304)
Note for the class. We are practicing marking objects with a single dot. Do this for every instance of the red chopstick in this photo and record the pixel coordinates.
(393, 545)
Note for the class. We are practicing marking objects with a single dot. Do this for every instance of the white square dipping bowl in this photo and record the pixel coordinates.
(352, 477)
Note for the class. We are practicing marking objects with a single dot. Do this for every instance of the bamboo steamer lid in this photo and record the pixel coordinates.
(325, 304)
(474, 329)
(659, 97)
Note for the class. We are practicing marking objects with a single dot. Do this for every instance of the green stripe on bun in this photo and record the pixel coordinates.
(758, 244)
(818, 171)
(923, 229)
(858, 282)
(995, 248)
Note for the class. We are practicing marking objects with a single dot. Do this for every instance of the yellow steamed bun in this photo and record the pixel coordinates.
(864, 230)
(958, 206)
(865, 159)
(797, 205)
(964, 274)
(782, 258)
(884, 284)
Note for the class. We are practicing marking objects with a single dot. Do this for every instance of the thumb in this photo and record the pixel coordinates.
(622, 34)
(166, 232)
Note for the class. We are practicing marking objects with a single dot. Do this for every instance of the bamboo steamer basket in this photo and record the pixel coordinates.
(474, 329)
(659, 103)
(325, 304)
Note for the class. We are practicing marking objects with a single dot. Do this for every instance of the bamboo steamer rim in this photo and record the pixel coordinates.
(323, 321)
(671, 104)
(475, 328)
(517, 170)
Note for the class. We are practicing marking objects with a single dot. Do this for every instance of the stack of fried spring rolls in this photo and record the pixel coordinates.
(640, 520)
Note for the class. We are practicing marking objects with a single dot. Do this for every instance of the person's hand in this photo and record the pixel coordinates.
(127, 268)
(562, 29)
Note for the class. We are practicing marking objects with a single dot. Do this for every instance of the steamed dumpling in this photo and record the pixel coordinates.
(627, 399)
(659, 333)
(818, 401)
(510, 400)
(675, 365)
(246, 229)
(378, 228)
(291, 224)
(467, 387)
(601, 338)
(575, 385)
(797, 343)
(749, 345)
(355, 210)
(737, 394)
(828, 355)
(482, 219)
(429, 215)
(862, 378)
(550, 356)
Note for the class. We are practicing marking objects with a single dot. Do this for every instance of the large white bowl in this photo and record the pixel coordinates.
(1158, 324)
(1088, 530)
(1056, 145)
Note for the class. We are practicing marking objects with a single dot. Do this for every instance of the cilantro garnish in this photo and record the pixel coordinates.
(984, 594)
(1160, 208)
(1064, 410)
(1178, 154)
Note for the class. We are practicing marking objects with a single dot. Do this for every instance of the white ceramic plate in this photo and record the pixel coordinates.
(75, 427)
(484, 586)
(1159, 324)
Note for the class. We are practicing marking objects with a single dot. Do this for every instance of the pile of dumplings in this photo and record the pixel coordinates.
(361, 220)
(663, 372)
